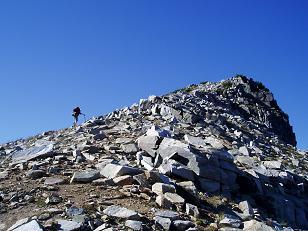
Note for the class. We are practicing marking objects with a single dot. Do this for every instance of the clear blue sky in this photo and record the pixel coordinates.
(103, 55)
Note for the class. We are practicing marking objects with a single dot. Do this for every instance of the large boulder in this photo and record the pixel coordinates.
(114, 170)
(149, 144)
(41, 149)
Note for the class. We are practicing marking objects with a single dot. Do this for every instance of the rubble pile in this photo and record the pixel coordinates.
(212, 156)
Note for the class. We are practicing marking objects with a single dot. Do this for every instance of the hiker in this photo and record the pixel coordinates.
(76, 113)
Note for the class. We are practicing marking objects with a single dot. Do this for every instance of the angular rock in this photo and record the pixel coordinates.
(181, 225)
(162, 202)
(272, 164)
(156, 131)
(149, 144)
(121, 212)
(162, 223)
(172, 167)
(160, 188)
(32, 225)
(69, 225)
(192, 210)
(175, 199)
(230, 221)
(244, 150)
(42, 148)
(254, 225)
(35, 174)
(167, 214)
(113, 170)
(134, 225)
(54, 181)
(85, 176)
(168, 147)
(246, 208)
(129, 148)
(123, 180)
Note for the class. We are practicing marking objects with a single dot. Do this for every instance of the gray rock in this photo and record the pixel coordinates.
(41, 149)
(174, 198)
(129, 148)
(149, 144)
(121, 212)
(32, 225)
(85, 176)
(214, 142)
(192, 210)
(167, 214)
(113, 170)
(103, 162)
(160, 188)
(181, 225)
(195, 141)
(35, 174)
(54, 181)
(162, 202)
(69, 225)
(4, 175)
(230, 221)
(172, 167)
(169, 147)
(246, 161)
(53, 199)
(254, 225)
(123, 180)
(19, 223)
(272, 164)
(134, 225)
(2, 226)
(156, 131)
(246, 208)
(162, 223)
(74, 211)
(244, 150)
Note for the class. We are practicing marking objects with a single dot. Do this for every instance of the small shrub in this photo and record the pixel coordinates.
(226, 85)
(190, 88)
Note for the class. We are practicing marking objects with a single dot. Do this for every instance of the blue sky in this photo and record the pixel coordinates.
(103, 55)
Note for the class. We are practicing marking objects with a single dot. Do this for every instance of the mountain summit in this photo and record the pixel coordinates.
(212, 156)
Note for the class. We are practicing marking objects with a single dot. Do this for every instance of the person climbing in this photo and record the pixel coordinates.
(76, 113)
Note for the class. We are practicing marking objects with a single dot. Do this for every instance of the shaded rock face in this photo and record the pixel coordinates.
(203, 151)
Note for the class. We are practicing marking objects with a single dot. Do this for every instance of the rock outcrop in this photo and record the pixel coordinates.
(216, 156)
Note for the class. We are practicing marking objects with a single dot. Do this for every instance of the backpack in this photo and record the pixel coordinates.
(76, 111)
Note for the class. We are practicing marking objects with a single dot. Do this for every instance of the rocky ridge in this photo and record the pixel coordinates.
(212, 156)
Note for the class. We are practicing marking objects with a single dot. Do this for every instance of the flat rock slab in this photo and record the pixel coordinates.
(254, 225)
(41, 148)
(54, 181)
(114, 170)
(230, 221)
(69, 225)
(167, 214)
(121, 212)
(32, 225)
(85, 176)
(181, 225)
(134, 225)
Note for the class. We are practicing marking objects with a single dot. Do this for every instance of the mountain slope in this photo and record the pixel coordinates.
(222, 155)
